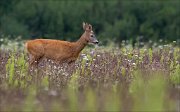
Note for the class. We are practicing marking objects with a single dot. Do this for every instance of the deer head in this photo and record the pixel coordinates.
(89, 34)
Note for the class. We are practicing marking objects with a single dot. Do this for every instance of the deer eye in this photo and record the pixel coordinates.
(91, 35)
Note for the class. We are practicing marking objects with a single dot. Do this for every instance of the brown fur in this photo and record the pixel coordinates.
(61, 51)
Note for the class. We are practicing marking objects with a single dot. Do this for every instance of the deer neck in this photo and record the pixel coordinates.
(81, 43)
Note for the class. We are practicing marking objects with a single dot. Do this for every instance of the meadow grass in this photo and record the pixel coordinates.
(102, 79)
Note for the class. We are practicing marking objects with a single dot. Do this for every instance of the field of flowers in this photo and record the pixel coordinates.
(102, 79)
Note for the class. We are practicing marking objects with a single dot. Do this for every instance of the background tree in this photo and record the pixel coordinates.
(115, 20)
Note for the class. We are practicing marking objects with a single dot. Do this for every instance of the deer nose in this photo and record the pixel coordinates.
(97, 42)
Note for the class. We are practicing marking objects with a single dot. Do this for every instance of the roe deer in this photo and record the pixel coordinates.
(58, 50)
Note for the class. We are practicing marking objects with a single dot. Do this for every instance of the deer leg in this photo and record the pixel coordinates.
(71, 67)
(71, 64)
(31, 60)
(35, 61)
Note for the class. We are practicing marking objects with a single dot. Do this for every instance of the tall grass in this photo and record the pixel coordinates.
(105, 79)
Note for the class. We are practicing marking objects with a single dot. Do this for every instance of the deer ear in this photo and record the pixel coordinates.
(90, 27)
(84, 25)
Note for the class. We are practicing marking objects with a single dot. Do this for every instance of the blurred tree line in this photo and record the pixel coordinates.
(115, 20)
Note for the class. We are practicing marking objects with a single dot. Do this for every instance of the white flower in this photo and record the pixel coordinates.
(160, 47)
(133, 63)
(1, 39)
(83, 54)
(85, 58)
(136, 55)
(92, 52)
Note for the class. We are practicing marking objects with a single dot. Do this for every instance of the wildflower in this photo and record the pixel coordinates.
(134, 64)
(85, 58)
(136, 55)
(160, 40)
(161, 47)
(55, 67)
(92, 52)
(65, 74)
(87, 64)
(83, 54)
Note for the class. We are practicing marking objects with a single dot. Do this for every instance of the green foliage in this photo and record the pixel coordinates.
(91, 100)
(30, 101)
(123, 70)
(144, 93)
(113, 101)
(10, 69)
(21, 66)
(45, 82)
(115, 20)
(74, 80)
(175, 75)
(73, 100)
(105, 79)
(150, 55)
